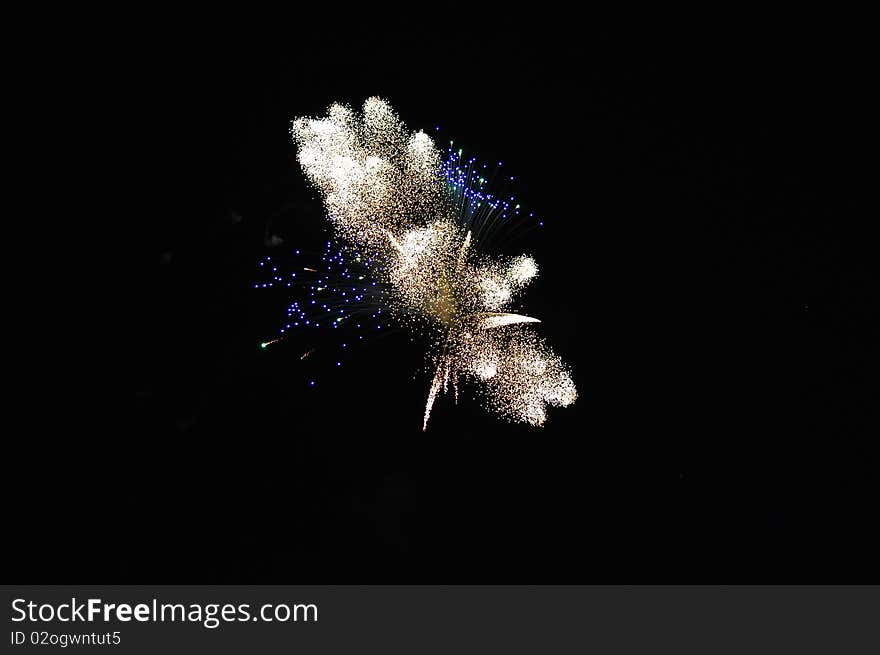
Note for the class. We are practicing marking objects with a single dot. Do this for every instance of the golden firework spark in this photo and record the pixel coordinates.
(385, 194)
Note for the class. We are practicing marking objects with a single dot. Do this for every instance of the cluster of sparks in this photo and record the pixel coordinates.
(410, 224)
(341, 290)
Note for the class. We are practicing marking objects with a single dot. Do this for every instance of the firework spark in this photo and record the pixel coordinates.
(388, 196)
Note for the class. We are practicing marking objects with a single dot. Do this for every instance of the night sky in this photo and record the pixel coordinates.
(704, 271)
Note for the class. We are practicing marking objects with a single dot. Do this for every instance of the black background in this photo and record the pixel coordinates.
(704, 269)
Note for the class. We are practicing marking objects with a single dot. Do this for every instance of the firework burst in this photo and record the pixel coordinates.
(415, 222)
